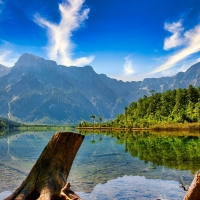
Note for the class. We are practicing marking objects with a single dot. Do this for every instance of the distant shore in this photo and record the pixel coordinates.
(158, 127)
(110, 128)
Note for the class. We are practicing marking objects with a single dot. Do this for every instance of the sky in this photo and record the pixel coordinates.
(127, 40)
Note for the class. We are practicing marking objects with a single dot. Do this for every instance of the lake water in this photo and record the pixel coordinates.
(138, 165)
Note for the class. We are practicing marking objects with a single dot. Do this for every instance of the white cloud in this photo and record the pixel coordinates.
(1, 2)
(182, 68)
(175, 40)
(191, 40)
(7, 58)
(169, 72)
(198, 60)
(128, 66)
(82, 61)
(7, 55)
(60, 44)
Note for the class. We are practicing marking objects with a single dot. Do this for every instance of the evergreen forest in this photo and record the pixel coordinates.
(170, 107)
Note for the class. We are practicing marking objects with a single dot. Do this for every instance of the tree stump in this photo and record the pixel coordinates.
(47, 179)
(193, 192)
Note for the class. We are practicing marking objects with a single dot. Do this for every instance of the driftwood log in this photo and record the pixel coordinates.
(47, 179)
(193, 192)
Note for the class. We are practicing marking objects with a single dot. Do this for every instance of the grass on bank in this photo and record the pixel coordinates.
(177, 126)
(156, 127)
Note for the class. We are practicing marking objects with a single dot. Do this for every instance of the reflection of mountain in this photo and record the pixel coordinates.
(95, 163)
(18, 152)
(39, 90)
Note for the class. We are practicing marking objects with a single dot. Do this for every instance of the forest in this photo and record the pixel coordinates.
(170, 107)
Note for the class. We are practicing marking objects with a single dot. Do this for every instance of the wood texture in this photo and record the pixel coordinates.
(48, 177)
(193, 192)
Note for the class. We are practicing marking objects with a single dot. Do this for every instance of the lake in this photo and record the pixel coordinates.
(137, 165)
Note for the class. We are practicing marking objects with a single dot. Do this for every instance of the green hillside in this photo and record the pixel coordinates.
(6, 123)
(171, 107)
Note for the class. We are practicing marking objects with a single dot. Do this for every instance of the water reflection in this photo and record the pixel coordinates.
(18, 153)
(105, 157)
(135, 187)
(174, 150)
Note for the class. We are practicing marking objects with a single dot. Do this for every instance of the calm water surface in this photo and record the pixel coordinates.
(111, 165)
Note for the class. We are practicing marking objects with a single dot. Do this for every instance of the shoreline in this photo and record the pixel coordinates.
(111, 128)
(158, 127)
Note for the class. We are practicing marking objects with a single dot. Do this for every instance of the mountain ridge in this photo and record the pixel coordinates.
(40, 91)
(3, 70)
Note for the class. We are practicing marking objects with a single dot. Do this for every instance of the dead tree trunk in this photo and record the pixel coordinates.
(47, 179)
(194, 190)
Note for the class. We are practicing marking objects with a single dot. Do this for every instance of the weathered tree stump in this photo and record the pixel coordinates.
(193, 192)
(47, 179)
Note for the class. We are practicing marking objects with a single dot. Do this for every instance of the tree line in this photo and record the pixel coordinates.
(6, 123)
(173, 106)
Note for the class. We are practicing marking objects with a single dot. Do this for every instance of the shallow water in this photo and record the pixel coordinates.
(135, 187)
(109, 166)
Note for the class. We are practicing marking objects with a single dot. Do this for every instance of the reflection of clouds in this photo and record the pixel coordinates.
(131, 187)
(5, 194)
(135, 187)
(9, 142)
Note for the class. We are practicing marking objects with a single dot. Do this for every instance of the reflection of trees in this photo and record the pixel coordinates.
(180, 152)
(92, 140)
(174, 151)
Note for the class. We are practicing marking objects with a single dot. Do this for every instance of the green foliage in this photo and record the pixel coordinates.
(3, 125)
(6, 123)
(179, 150)
(172, 106)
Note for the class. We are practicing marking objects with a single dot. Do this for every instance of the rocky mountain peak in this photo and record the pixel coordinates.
(194, 68)
(30, 60)
(40, 90)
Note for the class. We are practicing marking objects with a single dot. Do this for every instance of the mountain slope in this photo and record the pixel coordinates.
(134, 90)
(3, 70)
(40, 91)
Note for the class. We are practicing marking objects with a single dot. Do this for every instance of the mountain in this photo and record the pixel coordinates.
(6, 123)
(3, 70)
(133, 90)
(40, 91)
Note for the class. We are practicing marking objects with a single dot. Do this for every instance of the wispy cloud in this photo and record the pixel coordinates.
(191, 41)
(198, 60)
(1, 5)
(175, 40)
(7, 55)
(128, 66)
(59, 35)
(183, 68)
(7, 58)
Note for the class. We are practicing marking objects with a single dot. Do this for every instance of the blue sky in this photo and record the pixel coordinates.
(125, 39)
